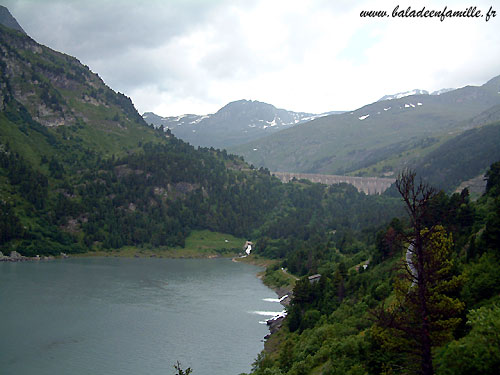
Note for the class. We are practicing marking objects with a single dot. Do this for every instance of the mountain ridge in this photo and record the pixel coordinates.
(354, 141)
(403, 94)
(235, 123)
(8, 20)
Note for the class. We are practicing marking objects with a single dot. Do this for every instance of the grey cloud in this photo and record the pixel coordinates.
(103, 28)
(116, 38)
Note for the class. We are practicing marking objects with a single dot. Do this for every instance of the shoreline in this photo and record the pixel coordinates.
(16, 257)
(162, 254)
(284, 293)
(265, 263)
(150, 254)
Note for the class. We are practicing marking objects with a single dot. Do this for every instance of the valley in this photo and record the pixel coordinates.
(331, 203)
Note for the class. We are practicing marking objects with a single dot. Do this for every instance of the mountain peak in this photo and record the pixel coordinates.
(495, 81)
(400, 95)
(8, 20)
(238, 122)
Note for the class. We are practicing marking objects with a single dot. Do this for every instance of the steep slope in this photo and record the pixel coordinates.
(351, 141)
(50, 99)
(236, 123)
(8, 20)
(461, 158)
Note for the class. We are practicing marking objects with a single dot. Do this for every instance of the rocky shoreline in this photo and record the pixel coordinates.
(276, 322)
(16, 257)
(284, 296)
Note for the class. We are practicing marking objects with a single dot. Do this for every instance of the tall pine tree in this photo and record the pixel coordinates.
(424, 312)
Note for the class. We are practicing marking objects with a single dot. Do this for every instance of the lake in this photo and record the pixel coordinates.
(131, 316)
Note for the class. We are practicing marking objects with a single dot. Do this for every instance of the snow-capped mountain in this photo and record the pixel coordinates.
(400, 95)
(360, 141)
(236, 123)
(442, 91)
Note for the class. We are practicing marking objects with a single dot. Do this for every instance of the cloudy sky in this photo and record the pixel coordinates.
(193, 56)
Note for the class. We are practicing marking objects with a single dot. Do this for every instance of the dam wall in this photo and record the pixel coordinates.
(368, 185)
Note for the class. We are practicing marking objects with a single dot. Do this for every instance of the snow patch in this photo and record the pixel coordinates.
(198, 120)
(272, 123)
(404, 94)
(442, 91)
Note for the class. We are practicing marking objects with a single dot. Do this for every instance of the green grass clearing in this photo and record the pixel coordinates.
(199, 244)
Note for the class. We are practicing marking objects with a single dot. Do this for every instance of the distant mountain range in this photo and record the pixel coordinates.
(236, 123)
(378, 139)
(413, 92)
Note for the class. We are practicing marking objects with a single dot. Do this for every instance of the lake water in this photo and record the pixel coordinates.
(131, 316)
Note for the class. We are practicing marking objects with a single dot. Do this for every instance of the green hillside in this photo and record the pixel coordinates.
(49, 99)
(81, 171)
(366, 314)
(462, 157)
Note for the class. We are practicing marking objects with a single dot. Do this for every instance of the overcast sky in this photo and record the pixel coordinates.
(194, 56)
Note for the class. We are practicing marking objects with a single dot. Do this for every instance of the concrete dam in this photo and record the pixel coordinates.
(368, 185)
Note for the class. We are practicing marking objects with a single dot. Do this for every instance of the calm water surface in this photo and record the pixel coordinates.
(131, 316)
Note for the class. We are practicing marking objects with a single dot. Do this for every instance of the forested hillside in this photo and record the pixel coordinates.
(381, 317)
(462, 157)
(80, 170)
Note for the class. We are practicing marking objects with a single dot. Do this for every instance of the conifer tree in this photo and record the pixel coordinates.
(424, 313)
